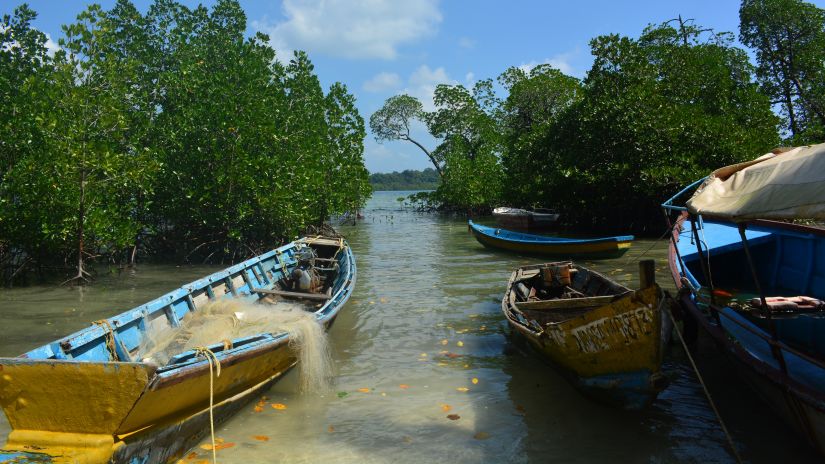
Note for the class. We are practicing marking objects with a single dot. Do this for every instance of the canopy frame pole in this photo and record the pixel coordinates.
(705, 266)
(775, 350)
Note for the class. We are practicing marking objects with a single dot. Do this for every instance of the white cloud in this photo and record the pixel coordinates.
(51, 46)
(357, 30)
(560, 62)
(422, 83)
(382, 81)
(466, 42)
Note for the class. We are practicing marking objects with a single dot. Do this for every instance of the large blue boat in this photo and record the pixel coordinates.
(757, 286)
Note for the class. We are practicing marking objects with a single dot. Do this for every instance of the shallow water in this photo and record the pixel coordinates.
(426, 287)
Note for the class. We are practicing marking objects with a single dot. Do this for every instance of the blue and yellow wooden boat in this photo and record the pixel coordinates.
(605, 338)
(87, 398)
(594, 248)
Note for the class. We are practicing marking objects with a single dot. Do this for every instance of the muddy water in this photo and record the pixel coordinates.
(422, 339)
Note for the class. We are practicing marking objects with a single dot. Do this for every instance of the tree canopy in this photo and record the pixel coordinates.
(165, 134)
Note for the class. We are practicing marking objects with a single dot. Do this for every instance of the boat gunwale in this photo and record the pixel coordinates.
(93, 332)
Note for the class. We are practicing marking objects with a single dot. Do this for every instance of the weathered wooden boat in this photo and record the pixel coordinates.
(88, 398)
(535, 219)
(755, 284)
(593, 248)
(607, 339)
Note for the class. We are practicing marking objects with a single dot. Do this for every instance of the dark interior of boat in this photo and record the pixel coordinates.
(556, 292)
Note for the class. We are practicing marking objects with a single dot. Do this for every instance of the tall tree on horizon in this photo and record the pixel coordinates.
(788, 37)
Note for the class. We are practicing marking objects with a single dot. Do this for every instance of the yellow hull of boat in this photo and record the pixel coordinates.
(86, 412)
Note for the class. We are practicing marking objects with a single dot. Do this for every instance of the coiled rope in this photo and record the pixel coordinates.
(211, 358)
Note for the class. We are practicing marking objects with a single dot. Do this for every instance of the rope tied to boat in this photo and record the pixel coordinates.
(666, 295)
(211, 358)
(109, 336)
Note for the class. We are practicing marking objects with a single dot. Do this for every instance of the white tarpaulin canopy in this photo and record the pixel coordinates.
(775, 186)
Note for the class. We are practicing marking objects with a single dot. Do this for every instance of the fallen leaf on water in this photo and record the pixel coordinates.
(192, 455)
(520, 409)
(342, 394)
(364, 390)
(423, 355)
(475, 381)
(261, 437)
(453, 355)
(404, 386)
(446, 407)
(383, 394)
(460, 343)
(330, 429)
(483, 327)
(219, 440)
(407, 440)
(481, 436)
(453, 417)
(444, 342)
(466, 366)
(372, 302)
(218, 446)
(442, 364)
(279, 406)
(382, 300)
(463, 389)
(259, 408)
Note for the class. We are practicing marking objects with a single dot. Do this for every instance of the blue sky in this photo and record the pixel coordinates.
(380, 48)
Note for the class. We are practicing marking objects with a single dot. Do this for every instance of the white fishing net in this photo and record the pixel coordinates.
(227, 319)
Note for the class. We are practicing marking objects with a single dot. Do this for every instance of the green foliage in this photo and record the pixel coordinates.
(655, 113)
(428, 179)
(535, 101)
(169, 131)
(788, 38)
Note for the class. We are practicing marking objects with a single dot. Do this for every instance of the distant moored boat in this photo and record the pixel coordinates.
(525, 219)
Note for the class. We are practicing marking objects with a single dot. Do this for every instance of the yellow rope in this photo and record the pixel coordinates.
(210, 357)
(110, 338)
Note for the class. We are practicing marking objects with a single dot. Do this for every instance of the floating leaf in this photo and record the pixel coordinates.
(407, 439)
(460, 343)
(463, 389)
(330, 429)
(520, 409)
(404, 386)
(423, 355)
(192, 455)
(279, 406)
(475, 381)
(342, 394)
(453, 417)
(446, 407)
(218, 446)
(481, 436)
(364, 390)
(442, 364)
(444, 342)
(261, 437)
(259, 408)
(382, 300)
(453, 355)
